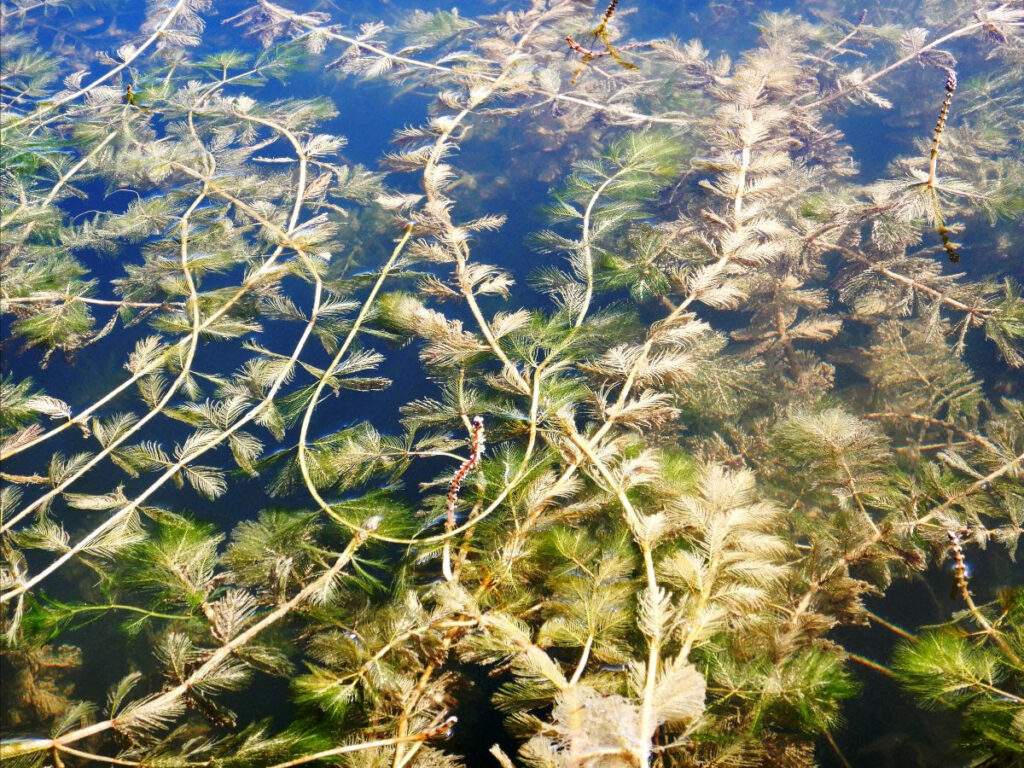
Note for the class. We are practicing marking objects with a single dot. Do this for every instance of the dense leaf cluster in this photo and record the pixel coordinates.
(743, 395)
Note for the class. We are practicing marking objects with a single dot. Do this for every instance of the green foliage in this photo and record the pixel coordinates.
(982, 677)
(16, 410)
(1005, 326)
(176, 564)
(603, 196)
(744, 392)
(804, 693)
(946, 667)
(835, 453)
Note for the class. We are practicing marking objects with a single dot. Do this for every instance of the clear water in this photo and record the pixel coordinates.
(517, 161)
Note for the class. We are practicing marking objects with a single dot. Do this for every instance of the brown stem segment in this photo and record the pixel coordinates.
(476, 451)
(467, 466)
(959, 564)
(608, 13)
(940, 125)
(933, 164)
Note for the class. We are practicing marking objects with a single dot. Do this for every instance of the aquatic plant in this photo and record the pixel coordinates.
(742, 396)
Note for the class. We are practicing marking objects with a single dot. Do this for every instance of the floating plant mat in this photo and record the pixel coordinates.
(530, 384)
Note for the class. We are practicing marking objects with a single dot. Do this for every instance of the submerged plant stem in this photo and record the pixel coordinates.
(126, 62)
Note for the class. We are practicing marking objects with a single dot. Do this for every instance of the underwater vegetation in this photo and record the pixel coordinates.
(308, 461)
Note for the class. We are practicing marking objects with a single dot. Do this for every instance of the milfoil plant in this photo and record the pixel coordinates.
(640, 487)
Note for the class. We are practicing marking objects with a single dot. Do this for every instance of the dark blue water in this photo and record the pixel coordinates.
(883, 726)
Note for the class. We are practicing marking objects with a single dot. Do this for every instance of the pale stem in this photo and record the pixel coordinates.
(350, 748)
(595, 105)
(584, 658)
(588, 260)
(25, 585)
(635, 523)
(886, 70)
(224, 652)
(62, 181)
(50, 106)
(186, 368)
(255, 277)
(197, 325)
